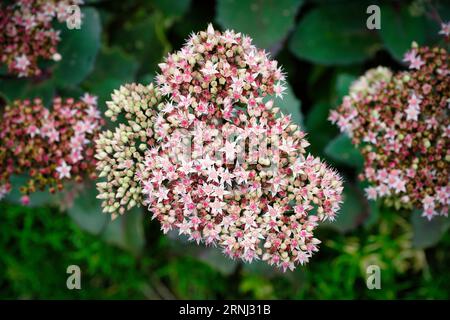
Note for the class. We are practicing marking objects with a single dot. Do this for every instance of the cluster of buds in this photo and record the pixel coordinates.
(215, 160)
(51, 147)
(28, 35)
(401, 124)
(120, 153)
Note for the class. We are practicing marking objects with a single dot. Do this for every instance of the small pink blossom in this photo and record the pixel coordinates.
(445, 29)
(64, 170)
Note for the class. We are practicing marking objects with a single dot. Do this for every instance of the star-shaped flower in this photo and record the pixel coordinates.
(90, 100)
(230, 150)
(217, 206)
(22, 62)
(445, 29)
(63, 170)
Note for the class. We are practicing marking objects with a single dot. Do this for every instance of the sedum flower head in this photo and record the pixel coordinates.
(401, 124)
(211, 157)
(28, 35)
(50, 147)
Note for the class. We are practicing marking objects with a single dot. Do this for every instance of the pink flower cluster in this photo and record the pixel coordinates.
(254, 203)
(49, 146)
(214, 72)
(221, 164)
(401, 124)
(28, 35)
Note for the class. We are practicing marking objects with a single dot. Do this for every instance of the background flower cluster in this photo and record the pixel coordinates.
(28, 36)
(48, 146)
(402, 123)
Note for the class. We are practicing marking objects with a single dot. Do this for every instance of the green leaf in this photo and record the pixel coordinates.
(399, 29)
(320, 132)
(13, 89)
(86, 211)
(127, 231)
(374, 208)
(217, 260)
(329, 35)
(144, 39)
(113, 68)
(266, 21)
(172, 8)
(79, 49)
(427, 233)
(352, 210)
(290, 105)
(343, 83)
(262, 268)
(342, 150)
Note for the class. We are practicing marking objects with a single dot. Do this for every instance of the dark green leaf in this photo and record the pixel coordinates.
(217, 260)
(290, 105)
(113, 68)
(126, 231)
(266, 21)
(13, 89)
(399, 29)
(329, 35)
(427, 233)
(145, 40)
(351, 213)
(86, 211)
(320, 132)
(172, 8)
(343, 83)
(342, 150)
(78, 49)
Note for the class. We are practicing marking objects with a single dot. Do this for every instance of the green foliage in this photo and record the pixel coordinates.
(126, 231)
(192, 279)
(38, 245)
(13, 89)
(79, 49)
(290, 104)
(341, 149)
(113, 68)
(428, 233)
(265, 28)
(400, 28)
(172, 8)
(352, 210)
(329, 35)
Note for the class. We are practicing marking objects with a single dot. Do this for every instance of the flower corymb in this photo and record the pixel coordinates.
(28, 35)
(49, 147)
(401, 124)
(212, 157)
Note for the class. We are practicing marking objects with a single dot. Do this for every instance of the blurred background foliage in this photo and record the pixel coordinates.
(323, 45)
